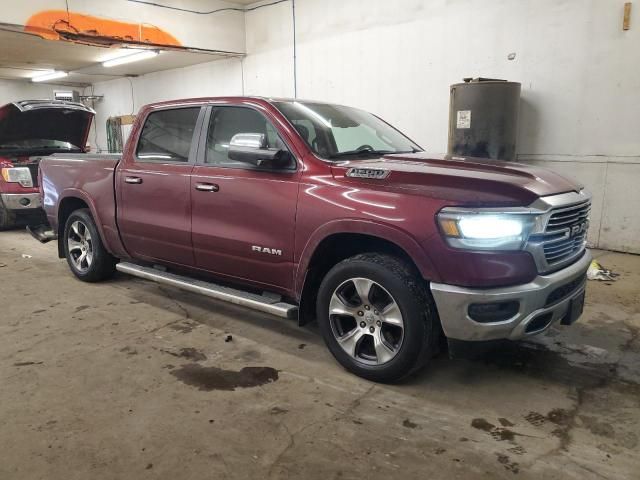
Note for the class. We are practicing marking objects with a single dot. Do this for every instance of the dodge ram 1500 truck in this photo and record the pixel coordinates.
(311, 210)
(29, 130)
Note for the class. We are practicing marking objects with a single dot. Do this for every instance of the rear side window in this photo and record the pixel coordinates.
(167, 134)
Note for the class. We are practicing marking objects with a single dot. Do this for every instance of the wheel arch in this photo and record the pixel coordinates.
(69, 204)
(333, 244)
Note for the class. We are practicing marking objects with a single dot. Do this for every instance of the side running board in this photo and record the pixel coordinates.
(263, 303)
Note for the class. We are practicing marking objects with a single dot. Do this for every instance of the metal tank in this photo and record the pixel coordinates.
(483, 118)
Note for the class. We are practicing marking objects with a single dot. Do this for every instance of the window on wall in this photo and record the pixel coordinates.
(167, 135)
(229, 121)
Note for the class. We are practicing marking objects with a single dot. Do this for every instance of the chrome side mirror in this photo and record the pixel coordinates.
(256, 141)
(253, 148)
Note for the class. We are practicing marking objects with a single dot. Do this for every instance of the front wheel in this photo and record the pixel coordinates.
(377, 317)
(87, 257)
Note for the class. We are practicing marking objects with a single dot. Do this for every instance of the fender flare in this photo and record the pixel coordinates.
(398, 237)
(81, 195)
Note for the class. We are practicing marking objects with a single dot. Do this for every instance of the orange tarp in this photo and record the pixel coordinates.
(53, 24)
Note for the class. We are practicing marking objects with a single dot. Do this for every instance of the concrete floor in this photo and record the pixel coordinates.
(130, 380)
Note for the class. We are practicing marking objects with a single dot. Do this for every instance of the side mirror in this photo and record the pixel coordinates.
(252, 148)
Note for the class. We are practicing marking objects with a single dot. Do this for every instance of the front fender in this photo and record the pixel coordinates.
(398, 237)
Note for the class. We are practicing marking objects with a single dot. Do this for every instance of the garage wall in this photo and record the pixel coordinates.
(579, 71)
(12, 90)
(126, 96)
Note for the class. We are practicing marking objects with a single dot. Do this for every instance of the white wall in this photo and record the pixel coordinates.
(13, 90)
(126, 96)
(580, 76)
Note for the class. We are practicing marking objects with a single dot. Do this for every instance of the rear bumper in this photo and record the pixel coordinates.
(20, 201)
(535, 305)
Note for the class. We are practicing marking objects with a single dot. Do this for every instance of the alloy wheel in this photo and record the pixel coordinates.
(366, 321)
(80, 246)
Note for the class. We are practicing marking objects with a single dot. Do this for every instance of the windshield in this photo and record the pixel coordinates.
(38, 144)
(337, 132)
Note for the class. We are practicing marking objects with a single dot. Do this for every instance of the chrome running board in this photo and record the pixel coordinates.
(267, 303)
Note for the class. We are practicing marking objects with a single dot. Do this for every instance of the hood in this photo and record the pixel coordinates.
(53, 120)
(463, 180)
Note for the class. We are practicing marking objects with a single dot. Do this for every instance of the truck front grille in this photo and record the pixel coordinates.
(566, 233)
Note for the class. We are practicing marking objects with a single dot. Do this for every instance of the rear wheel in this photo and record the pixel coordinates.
(377, 317)
(87, 257)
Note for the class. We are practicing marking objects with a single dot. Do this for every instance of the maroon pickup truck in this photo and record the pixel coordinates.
(311, 210)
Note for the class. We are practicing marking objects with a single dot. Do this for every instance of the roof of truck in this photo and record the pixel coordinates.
(231, 98)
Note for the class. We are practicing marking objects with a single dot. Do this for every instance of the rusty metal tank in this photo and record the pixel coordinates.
(483, 118)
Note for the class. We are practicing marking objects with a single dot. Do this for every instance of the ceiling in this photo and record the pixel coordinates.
(23, 55)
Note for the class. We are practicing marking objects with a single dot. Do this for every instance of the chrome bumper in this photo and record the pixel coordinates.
(453, 305)
(18, 201)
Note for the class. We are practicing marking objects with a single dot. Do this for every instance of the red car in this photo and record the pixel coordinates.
(311, 210)
(30, 130)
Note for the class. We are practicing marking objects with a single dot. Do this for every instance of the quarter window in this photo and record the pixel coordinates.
(167, 135)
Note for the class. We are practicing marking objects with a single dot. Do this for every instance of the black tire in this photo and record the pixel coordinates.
(103, 264)
(421, 330)
(7, 219)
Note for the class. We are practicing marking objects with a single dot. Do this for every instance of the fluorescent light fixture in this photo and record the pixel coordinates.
(117, 53)
(130, 57)
(49, 75)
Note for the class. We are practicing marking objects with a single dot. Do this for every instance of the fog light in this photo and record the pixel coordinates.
(25, 202)
(493, 312)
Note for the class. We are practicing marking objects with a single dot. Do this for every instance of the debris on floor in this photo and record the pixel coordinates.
(228, 338)
(24, 255)
(598, 272)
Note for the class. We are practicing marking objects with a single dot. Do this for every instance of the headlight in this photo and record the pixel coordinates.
(489, 230)
(20, 175)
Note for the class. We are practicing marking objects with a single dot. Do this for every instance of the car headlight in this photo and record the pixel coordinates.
(20, 175)
(486, 230)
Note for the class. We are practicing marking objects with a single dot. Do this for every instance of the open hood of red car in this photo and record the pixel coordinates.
(23, 124)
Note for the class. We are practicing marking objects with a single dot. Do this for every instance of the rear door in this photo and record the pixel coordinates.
(243, 216)
(154, 207)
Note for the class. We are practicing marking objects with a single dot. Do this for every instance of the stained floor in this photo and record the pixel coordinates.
(127, 379)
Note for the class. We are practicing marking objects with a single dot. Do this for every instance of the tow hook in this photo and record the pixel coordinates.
(42, 233)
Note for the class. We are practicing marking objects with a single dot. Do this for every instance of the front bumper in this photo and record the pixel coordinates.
(19, 201)
(535, 304)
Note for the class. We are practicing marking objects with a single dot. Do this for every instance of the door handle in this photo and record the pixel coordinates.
(133, 180)
(207, 187)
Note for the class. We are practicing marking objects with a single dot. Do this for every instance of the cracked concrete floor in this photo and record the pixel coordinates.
(129, 380)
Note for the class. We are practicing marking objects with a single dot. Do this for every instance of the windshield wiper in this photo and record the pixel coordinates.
(361, 153)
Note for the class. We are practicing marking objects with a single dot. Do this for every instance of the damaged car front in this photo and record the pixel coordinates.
(30, 130)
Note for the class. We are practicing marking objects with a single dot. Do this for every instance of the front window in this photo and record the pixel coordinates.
(338, 132)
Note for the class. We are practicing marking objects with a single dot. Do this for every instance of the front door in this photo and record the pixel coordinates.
(243, 216)
(154, 206)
